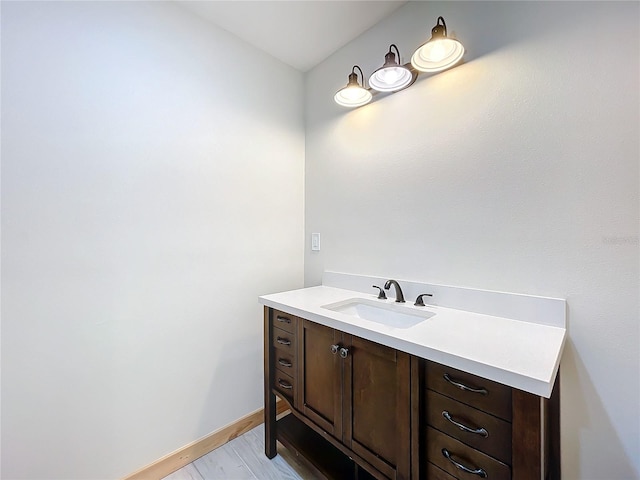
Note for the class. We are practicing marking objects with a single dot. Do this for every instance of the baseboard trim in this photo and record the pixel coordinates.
(187, 454)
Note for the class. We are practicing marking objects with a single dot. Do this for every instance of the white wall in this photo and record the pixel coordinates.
(152, 179)
(516, 171)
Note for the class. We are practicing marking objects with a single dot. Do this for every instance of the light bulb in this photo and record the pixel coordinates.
(390, 79)
(435, 51)
(352, 96)
(438, 54)
(390, 75)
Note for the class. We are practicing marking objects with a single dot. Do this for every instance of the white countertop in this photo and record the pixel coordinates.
(521, 354)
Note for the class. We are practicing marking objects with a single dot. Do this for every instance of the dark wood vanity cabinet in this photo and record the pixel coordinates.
(358, 392)
(351, 392)
(474, 428)
(361, 410)
(468, 421)
(377, 406)
(320, 372)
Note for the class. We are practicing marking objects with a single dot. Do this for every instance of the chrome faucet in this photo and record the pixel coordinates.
(399, 294)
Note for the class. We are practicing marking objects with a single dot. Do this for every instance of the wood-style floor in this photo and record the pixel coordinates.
(243, 459)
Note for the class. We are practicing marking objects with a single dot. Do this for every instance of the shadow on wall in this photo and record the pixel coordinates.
(588, 413)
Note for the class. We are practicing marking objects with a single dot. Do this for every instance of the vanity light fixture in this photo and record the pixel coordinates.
(391, 76)
(439, 53)
(354, 94)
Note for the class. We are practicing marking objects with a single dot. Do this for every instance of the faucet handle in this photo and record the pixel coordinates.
(419, 301)
(381, 295)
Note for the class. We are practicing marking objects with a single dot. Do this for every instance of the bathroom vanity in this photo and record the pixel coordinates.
(387, 391)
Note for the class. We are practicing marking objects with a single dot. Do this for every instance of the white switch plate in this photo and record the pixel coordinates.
(315, 242)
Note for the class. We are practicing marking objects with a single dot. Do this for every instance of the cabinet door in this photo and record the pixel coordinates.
(376, 406)
(320, 377)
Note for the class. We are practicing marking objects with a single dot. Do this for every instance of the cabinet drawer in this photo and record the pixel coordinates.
(483, 394)
(434, 473)
(285, 361)
(285, 321)
(285, 384)
(284, 340)
(454, 457)
(488, 434)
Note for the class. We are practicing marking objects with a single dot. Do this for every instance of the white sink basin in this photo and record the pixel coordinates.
(392, 314)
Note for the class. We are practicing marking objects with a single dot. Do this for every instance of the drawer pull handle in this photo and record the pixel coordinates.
(478, 431)
(283, 319)
(477, 471)
(285, 363)
(462, 386)
(344, 352)
(285, 385)
(334, 349)
(283, 341)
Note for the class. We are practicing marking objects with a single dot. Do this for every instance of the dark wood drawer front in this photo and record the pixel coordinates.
(488, 434)
(285, 361)
(454, 457)
(483, 394)
(284, 340)
(285, 321)
(434, 473)
(285, 384)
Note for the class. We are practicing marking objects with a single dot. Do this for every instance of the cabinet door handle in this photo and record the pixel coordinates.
(344, 352)
(335, 348)
(474, 471)
(283, 341)
(478, 431)
(285, 363)
(285, 385)
(462, 386)
(283, 319)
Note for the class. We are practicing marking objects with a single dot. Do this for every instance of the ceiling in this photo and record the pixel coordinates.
(299, 33)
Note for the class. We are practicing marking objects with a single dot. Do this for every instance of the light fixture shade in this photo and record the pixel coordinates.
(353, 95)
(392, 76)
(439, 53)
